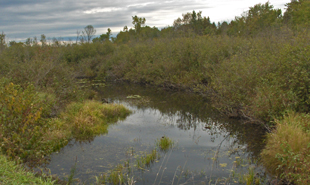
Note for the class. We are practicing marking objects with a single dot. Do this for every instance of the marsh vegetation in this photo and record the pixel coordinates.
(254, 68)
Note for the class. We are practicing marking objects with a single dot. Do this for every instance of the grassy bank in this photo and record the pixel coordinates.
(287, 150)
(29, 135)
(10, 173)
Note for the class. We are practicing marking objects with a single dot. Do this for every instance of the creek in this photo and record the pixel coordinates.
(208, 147)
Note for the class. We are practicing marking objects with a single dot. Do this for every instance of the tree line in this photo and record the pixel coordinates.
(259, 18)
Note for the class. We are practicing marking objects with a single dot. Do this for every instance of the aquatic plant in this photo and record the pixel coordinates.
(164, 143)
(120, 175)
(147, 159)
(133, 96)
(90, 118)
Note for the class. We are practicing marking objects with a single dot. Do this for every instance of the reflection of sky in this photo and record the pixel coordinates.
(194, 148)
(22, 19)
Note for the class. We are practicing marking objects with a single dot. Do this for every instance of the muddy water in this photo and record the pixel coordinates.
(209, 147)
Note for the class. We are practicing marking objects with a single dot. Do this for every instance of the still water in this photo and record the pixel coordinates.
(208, 147)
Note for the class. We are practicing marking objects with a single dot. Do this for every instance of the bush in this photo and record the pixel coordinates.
(287, 150)
(22, 127)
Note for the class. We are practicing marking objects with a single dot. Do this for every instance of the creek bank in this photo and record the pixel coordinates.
(203, 90)
(186, 118)
(274, 154)
(29, 135)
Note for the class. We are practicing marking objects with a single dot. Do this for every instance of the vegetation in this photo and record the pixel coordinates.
(124, 173)
(164, 143)
(26, 133)
(287, 150)
(22, 126)
(10, 173)
(147, 159)
(88, 119)
(255, 67)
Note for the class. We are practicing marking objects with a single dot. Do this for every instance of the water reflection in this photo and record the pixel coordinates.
(207, 143)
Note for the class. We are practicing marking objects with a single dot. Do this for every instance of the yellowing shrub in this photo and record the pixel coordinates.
(287, 153)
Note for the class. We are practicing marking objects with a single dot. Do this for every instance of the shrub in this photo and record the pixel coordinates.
(22, 127)
(287, 149)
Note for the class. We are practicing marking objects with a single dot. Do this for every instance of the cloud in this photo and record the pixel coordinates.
(21, 19)
(101, 10)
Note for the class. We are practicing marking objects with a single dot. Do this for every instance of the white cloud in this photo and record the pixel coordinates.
(140, 4)
(102, 10)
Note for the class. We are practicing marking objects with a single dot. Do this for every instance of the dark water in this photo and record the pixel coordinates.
(206, 143)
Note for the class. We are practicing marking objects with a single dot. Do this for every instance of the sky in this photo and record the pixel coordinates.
(21, 19)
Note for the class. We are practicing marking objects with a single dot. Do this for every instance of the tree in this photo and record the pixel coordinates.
(297, 13)
(2, 41)
(192, 21)
(103, 37)
(88, 33)
(35, 41)
(149, 33)
(125, 29)
(222, 28)
(43, 40)
(28, 41)
(55, 42)
(138, 22)
(256, 19)
(14, 43)
(78, 35)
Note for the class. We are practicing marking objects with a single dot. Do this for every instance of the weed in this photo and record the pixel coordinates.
(72, 173)
(90, 118)
(12, 173)
(164, 143)
(287, 151)
(147, 159)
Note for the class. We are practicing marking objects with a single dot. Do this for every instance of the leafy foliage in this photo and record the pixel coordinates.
(255, 67)
(297, 13)
(22, 127)
(259, 18)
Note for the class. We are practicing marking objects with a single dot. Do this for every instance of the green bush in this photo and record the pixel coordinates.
(22, 127)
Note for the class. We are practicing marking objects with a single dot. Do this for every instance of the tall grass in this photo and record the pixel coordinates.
(287, 150)
(11, 173)
(90, 118)
(28, 136)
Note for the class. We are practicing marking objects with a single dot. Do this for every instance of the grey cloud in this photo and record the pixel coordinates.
(24, 19)
(28, 18)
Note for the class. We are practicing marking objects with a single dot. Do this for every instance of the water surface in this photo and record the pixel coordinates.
(207, 144)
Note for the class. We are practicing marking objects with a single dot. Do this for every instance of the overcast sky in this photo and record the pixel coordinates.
(20, 19)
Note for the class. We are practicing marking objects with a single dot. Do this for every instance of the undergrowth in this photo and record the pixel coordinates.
(28, 136)
(11, 173)
(287, 150)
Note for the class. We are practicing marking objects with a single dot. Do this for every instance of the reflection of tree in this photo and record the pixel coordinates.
(190, 111)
